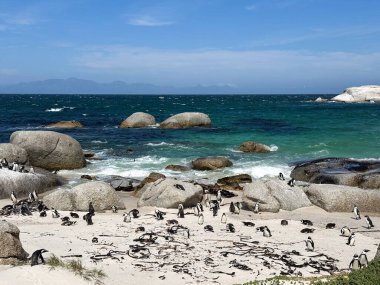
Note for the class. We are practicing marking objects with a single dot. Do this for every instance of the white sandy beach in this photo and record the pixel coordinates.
(183, 260)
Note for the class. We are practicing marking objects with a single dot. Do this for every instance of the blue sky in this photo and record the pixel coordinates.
(259, 46)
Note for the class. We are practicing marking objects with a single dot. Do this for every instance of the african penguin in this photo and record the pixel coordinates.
(306, 222)
(91, 209)
(363, 258)
(356, 212)
(54, 213)
(284, 223)
(309, 244)
(74, 215)
(13, 197)
(219, 196)
(281, 176)
(208, 228)
(201, 219)
(199, 207)
(345, 231)
(181, 213)
(256, 208)
(114, 209)
(127, 218)
(266, 232)
(232, 207)
(291, 182)
(355, 263)
(88, 218)
(351, 240)
(230, 228)
(224, 218)
(37, 257)
(158, 215)
(330, 226)
(369, 222)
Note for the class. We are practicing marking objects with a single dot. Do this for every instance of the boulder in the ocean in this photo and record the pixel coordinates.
(24, 183)
(101, 194)
(251, 146)
(13, 153)
(176, 167)
(211, 163)
(338, 198)
(364, 93)
(186, 120)
(138, 120)
(321, 100)
(11, 250)
(50, 150)
(169, 193)
(65, 125)
(341, 171)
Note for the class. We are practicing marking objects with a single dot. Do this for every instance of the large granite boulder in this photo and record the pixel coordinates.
(338, 198)
(274, 195)
(364, 93)
(120, 183)
(211, 163)
(138, 120)
(101, 194)
(341, 171)
(50, 150)
(24, 183)
(233, 182)
(251, 146)
(65, 125)
(11, 250)
(289, 198)
(169, 193)
(257, 191)
(152, 177)
(13, 153)
(186, 120)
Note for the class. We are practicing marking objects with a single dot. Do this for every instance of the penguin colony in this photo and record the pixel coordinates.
(26, 207)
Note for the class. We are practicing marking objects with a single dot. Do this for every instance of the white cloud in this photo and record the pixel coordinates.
(148, 21)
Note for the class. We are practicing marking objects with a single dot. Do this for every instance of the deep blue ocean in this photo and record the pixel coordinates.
(294, 126)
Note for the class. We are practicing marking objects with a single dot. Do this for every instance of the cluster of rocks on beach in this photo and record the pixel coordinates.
(184, 249)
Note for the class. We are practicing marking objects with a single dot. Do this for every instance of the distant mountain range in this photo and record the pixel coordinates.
(81, 86)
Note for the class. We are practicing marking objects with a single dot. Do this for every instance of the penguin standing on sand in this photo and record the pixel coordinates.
(256, 208)
(363, 258)
(35, 196)
(54, 213)
(356, 212)
(91, 209)
(37, 257)
(369, 222)
(219, 196)
(232, 208)
(266, 232)
(351, 240)
(309, 244)
(224, 218)
(355, 263)
(13, 198)
(201, 219)
(127, 218)
(181, 213)
(214, 211)
(195, 211)
(199, 207)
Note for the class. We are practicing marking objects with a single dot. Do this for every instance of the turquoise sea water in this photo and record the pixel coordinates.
(296, 127)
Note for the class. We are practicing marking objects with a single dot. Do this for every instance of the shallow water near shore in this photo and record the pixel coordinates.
(294, 126)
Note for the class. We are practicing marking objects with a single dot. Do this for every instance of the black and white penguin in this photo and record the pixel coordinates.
(127, 218)
(31, 170)
(237, 208)
(309, 244)
(199, 207)
(256, 208)
(195, 211)
(230, 228)
(248, 224)
(140, 229)
(232, 208)
(356, 212)
(291, 182)
(54, 213)
(181, 213)
(115, 209)
(223, 219)
(94, 240)
(25, 210)
(266, 232)
(65, 219)
(35, 196)
(369, 222)
(363, 258)
(281, 176)
(351, 240)
(208, 228)
(355, 263)
(158, 215)
(345, 231)
(37, 257)
(91, 209)
(16, 167)
(201, 219)
(307, 222)
(4, 163)
(330, 226)
(88, 218)
(13, 198)
(43, 214)
(307, 231)
(135, 213)
(214, 211)
(284, 223)
(68, 223)
(30, 198)
(74, 215)
(219, 196)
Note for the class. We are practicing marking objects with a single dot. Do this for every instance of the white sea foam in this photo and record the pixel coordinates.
(99, 141)
(159, 144)
(273, 147)
(54, 110)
